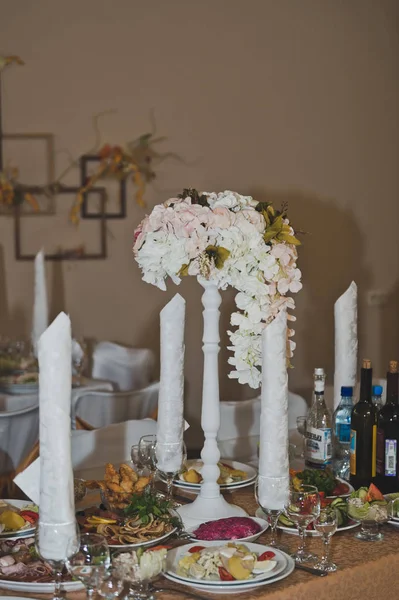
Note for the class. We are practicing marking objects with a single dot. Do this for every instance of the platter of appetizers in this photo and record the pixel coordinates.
(233, 474)
(324, 480)
(235, 529)
(18, 518)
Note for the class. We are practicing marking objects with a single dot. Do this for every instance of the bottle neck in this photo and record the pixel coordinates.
(392, 388)
(366, 376)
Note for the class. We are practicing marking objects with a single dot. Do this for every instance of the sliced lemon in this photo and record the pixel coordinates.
(96, 520)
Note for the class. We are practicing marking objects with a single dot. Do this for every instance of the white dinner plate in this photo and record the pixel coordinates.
(197, 464)
(21, 533)
(230, 488)
(237, 587)
(39, 588)
(263, 524)
(154, 542)
(19, 389)
(310, 532)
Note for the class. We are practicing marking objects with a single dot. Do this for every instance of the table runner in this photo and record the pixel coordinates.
(365, 568)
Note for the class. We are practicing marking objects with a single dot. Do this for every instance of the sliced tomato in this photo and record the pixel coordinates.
(29, 515)
(196, 549)
(160, 547)
(310, 527)
(268, 555)
(225, 575)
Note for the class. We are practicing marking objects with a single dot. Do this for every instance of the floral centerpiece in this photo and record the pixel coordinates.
(232, 240)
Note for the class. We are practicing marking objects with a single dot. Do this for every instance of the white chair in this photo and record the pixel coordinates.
(238, 435)
(19, 430)
(127, 368)
(102, 408)
(91, 450)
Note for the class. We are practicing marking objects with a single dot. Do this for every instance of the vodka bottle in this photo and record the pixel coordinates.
(318, 451)
(341, 433)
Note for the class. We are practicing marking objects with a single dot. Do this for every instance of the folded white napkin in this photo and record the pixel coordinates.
(29, 481)
(345, 318)
(273, 480)
(40, 307)
(57, 506)
(171, 388)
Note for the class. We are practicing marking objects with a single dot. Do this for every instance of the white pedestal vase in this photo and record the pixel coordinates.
(210, 503)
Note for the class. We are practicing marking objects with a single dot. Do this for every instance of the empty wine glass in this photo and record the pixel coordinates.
(57, 539)
(326, 525)
(169, 460)
(303, 507)
(136, 459)
(301, 423)
(272, 514)
(91, 562)
(146, 454)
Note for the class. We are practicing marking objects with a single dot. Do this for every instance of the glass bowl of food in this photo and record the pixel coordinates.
(138, 568)
(115, 502)
(79, 487)
(371, 509)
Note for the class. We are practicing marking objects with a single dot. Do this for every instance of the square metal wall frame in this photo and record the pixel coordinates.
(84, 176)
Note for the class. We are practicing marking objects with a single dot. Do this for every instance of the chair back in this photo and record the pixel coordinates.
(91, 450)
(19, 429)
(127, 368)
(102, 408)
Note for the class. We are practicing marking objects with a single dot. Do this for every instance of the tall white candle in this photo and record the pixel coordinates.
(40, 307)
(273, 484)
(57, 506)
(171, 389)
(345, 321)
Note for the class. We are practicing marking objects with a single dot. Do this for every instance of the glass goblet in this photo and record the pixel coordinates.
(91, 562)
(272, 514)
(146, 454)
(53, 539)
(136, 459)
(301, 423)
(169, 460)
(326, 525)
(138, 570)
(303, 507)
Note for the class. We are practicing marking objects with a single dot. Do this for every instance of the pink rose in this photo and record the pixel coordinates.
(222, 217)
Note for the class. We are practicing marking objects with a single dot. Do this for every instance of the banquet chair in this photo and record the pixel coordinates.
(128, 368)
(19, 432)
(100, 409)
(239, 431)
(91, 450)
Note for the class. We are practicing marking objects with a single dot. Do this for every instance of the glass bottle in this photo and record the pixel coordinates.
(318, 449)
(377, 396)
(388, 435)
(363, 440)
(341, 431)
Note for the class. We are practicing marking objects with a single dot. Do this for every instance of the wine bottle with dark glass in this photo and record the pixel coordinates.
(363, 437)
(388, 435)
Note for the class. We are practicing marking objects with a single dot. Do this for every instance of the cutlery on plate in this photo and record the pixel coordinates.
(311, 570)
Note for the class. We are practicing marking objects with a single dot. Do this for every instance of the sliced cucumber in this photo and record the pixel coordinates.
(338, 501)
(285, 521)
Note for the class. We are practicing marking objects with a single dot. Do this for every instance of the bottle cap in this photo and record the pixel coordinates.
(377, 390)
(319, 371)
(366, 364)
(393, 366)
(347, 391)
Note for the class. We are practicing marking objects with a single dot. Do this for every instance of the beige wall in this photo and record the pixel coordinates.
(287, 100)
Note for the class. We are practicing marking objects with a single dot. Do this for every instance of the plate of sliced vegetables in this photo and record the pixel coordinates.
(18, 518)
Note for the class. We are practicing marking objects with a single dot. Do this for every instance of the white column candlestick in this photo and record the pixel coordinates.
(345, 321)
(273, 481)
(210, 503)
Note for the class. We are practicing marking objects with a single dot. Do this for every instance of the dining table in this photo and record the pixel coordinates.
(365, 569)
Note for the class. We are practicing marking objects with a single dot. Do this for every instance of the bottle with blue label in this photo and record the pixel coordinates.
(341, 432)
(318, 448)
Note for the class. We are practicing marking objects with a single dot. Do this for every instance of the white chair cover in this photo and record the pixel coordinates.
(238, 435)
(19, 429)
(104, 408)
(127, 368)
(91, 450)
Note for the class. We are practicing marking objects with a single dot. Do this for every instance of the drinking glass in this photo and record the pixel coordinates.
(301, 423)
(272, 515)
(111, 588)
(146, 454)
(91, 562)
(138, 570)
(169, 460)
(136, 459)
(46, 549)
(326, 525)
(303, 507)
(79, 359)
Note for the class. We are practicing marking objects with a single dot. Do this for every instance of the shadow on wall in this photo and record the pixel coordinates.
(13, 322)
(57, 292)
(389, 327)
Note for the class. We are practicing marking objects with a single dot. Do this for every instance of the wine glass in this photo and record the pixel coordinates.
(169, 459)
(303, 507)
(326, 525)
(301, 423)
(56, 544)
(272, 514)
(138, 569)
(79, 359)
(146, 454)
(136, 459)
(91, 562)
